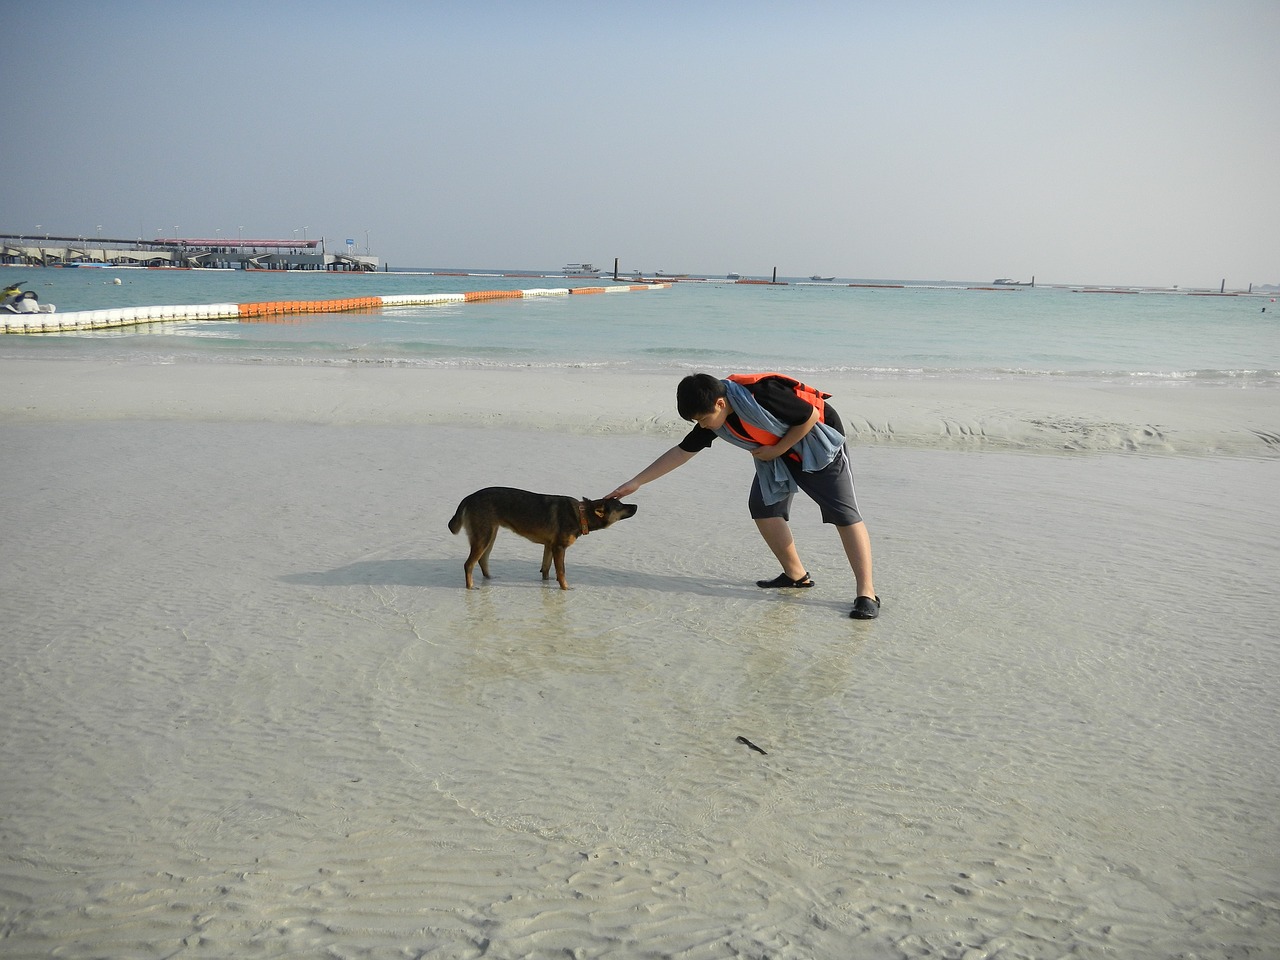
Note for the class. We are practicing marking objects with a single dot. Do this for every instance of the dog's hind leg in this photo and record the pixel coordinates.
(481, 544)
(484, 557)
(546, 561)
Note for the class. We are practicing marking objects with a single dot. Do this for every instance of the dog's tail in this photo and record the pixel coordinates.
(458, 515)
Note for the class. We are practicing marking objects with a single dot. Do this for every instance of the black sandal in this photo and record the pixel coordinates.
(865, 608)
(782, 580)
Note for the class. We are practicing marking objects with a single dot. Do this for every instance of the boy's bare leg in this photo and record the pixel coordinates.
(857, 547)
(777, 534)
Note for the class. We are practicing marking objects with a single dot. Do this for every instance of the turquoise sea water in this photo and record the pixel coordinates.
(921, 330)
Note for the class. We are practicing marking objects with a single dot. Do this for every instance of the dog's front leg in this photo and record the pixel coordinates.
(557, 553)
(546, 561)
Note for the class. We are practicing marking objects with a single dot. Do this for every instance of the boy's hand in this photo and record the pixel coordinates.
(767, 453)
(627, 488)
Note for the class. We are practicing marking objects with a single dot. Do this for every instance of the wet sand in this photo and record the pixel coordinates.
(251, 711)
(962, 414)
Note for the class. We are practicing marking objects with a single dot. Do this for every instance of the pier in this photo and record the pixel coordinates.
(176, 252)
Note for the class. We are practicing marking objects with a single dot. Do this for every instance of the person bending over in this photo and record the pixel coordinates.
(798, 442)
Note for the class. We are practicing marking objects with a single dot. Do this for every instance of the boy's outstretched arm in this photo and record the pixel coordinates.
(673, 458)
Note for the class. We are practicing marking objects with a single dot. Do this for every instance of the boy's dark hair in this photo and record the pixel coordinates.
(697, 394)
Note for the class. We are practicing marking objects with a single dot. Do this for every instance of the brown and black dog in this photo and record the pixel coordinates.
(555, 522)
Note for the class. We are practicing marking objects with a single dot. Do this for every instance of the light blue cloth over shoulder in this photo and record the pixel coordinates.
(817, 448)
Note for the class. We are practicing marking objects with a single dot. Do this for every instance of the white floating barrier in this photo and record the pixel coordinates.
(421, 299)
(249, 312)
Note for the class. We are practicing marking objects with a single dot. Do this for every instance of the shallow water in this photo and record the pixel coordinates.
(252, 711)
(918, 331)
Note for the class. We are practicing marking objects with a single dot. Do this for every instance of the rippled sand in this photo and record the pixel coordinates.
(249, 709)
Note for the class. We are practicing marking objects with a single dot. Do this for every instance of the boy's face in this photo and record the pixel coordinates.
(714, 418)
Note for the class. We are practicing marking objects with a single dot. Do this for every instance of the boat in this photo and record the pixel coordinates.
(733, 276)
(16, 300)
(821, 279)
(1006, 282)
(581, 270)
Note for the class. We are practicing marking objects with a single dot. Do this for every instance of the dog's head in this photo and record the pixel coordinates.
(603, 513)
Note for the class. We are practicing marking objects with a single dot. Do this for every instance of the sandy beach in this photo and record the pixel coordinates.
(251, 711)
(953, 414)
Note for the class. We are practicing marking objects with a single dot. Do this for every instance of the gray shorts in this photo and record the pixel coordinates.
(831, 488)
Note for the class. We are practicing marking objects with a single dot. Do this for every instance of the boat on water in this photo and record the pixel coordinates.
(733, 276)
(581, 270)
(1006, 282)
(821, 279)
(16, 300)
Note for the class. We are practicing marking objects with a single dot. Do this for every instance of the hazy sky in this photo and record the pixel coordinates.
(1119, 141)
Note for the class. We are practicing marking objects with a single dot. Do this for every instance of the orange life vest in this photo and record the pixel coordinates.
(810, 395)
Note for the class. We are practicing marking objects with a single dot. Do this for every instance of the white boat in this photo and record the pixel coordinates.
(580, 270)
(16, 300)
(821, 279)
